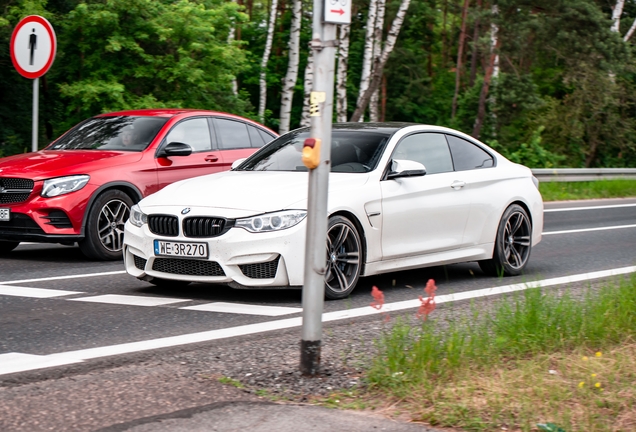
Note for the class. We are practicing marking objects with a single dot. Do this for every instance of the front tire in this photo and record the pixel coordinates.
(8, 246)
(344, 258)
(512, 244)
(104, 240)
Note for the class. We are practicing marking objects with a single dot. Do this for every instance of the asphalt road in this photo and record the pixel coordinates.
(55, 306)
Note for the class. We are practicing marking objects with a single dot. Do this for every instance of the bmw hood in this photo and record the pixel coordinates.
(54, 163)
(245, 192)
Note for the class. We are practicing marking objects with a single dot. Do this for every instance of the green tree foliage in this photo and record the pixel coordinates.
(120, 54)
(593, 124)
(563, 95)
(578, 71)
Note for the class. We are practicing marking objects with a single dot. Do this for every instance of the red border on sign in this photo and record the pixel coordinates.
(49, 28)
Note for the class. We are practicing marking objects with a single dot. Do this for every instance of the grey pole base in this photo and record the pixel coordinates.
(309, 357)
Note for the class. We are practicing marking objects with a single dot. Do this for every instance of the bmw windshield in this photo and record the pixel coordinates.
(351, 151)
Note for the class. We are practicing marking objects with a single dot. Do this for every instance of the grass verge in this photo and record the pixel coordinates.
(562, 191)
(530, 359)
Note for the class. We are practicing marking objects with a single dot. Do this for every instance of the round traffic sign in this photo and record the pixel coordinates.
(33, 46)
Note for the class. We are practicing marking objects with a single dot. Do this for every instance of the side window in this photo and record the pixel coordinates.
(429, 149)
(267, 137)
(255, 137)
(468, 156)
(232, 134)
(194, 132)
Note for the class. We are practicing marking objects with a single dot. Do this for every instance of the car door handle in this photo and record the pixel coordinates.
(457, 185)
(211, 158)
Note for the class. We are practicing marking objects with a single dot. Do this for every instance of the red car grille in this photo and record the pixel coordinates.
(15, 190)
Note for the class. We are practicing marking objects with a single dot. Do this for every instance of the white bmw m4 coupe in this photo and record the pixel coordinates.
(401, 196)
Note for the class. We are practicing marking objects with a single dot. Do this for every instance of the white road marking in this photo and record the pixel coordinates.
(85, 275)
(588, 229)
(130, 300)
(588, 208)
(246, 309)
(19, 291)
(8, 364)
(467, 295)
(17, 362)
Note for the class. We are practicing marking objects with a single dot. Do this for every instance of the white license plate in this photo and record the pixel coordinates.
(181, 249)
(5, 214)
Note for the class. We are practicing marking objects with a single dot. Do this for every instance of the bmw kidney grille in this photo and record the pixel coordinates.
(164, 225)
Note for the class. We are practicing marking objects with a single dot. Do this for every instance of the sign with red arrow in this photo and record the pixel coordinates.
(337, 11)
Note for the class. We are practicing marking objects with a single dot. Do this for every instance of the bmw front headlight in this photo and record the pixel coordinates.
(272, 221)
(137, 217)
(63, 185)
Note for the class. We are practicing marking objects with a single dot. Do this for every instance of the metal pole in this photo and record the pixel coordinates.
(323, 45)
(34, 136)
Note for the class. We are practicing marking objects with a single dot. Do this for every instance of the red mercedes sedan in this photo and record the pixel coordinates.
(79, 189)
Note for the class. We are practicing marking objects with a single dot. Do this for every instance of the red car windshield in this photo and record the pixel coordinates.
(111, 133)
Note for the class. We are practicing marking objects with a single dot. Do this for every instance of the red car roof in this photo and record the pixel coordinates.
(158, 112)
(171, 112)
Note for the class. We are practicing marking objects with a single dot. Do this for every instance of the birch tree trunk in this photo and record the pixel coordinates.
(268, 49)
(492, 69)
(377, 52)
(292, 68)
(368, 51)
(305, 120)
(230, 38)
(379, 67)
(341, 74)
(383, 100)
(494, 42)
(617, 11)
(630, 32)
(616, 15)
(460, 53)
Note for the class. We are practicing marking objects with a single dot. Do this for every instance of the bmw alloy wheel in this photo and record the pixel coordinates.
(344, 258)
(512, 245)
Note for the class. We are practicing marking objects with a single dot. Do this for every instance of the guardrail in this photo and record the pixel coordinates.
(582, 174)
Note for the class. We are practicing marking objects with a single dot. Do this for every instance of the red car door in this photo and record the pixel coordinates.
(205, 159)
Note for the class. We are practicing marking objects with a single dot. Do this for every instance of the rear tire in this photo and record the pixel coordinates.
(512, 244)
(7, 246)
(344, 258)
(104, 240)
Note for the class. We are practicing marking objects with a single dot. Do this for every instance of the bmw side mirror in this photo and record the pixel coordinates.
(175, 149)
(405, 168)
